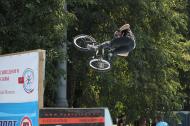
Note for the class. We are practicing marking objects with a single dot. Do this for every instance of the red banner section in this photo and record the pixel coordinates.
(81, 120)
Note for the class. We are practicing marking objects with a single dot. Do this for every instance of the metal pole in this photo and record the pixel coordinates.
(61, 100)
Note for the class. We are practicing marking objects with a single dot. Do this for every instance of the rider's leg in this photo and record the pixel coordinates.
(120, 50)
(123, 49)
(106, 44)
(119, 42)
(116, 42)
(120, 45)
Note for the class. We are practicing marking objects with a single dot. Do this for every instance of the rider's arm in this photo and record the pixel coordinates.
(130, 35)
(117, 34)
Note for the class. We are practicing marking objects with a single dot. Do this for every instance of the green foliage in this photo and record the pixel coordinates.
(148, 80)
(152, 78)
(36, 24)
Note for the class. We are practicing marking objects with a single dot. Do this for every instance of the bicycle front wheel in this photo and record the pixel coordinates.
(99, 64)
(81, 42)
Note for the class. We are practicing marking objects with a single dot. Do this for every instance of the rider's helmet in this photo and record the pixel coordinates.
(124, 29)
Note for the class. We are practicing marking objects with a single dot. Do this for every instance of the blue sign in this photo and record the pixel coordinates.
(19, 114)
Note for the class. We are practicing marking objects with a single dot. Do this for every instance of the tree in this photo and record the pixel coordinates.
(28, 25)
(148, 80)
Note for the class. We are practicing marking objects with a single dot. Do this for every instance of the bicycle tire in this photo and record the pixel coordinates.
(81, 42)
(100, 64)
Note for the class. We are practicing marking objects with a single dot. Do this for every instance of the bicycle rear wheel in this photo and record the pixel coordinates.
(81, 42)
(99, 64)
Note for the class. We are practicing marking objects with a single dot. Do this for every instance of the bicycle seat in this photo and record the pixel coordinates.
(125, 54)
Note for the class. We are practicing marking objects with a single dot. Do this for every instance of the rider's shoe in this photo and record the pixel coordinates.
(92, 47)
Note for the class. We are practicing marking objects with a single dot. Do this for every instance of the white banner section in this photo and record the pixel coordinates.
(19, 77)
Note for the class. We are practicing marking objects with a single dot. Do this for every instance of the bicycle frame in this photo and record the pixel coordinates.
(97, 62)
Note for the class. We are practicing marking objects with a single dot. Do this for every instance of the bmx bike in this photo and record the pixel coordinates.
(100, 59)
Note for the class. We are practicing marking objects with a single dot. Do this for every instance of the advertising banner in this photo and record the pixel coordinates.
(72, 117)
(19, 86)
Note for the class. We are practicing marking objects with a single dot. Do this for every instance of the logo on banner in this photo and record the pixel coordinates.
(26, 122)
(28, 80)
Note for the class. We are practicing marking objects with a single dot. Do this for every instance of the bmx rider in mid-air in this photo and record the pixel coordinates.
(122, 43)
